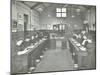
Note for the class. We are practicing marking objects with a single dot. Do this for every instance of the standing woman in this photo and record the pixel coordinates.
(68, 34)
(86, 26)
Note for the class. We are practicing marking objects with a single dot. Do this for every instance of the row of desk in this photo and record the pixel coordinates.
(24, 60)
(81, 55)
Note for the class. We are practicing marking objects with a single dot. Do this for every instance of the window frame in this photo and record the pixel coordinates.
(60, 12)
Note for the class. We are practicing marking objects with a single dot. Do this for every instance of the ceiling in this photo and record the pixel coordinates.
(41, 6)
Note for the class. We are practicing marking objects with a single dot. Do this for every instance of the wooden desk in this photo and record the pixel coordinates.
(77, 53)
(58, 43)
(22, 63)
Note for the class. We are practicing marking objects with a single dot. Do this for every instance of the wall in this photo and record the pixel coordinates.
(33, 21)
(49, 17)
(91, 17)
(33, 16)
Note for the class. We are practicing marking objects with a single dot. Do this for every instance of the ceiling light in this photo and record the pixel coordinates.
(40, 9)
(49, 15)
(78, 10)
(73, 16)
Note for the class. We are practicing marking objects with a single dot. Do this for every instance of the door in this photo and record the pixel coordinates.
(58, 43)
(25, 25)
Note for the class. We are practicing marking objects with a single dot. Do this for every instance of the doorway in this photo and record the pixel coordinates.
(25, 25)
(57, 36)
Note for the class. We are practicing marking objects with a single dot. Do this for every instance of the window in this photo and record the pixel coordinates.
(61, 12)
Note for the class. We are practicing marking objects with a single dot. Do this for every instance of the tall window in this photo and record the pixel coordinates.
(61, 12)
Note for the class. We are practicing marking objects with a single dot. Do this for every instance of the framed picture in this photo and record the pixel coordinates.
(20, 18)
(14, 24)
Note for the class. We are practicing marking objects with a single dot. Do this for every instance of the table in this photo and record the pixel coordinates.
(77, 54)
(21, 63)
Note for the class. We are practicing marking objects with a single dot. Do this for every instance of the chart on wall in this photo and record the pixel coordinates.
(59, 27)
(20, 19)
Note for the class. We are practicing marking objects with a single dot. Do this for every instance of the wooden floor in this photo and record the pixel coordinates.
(55, 60)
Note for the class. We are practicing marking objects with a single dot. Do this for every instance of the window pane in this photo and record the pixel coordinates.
(58, 9)
(63, 9)
(64, 15)
(58, 14)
